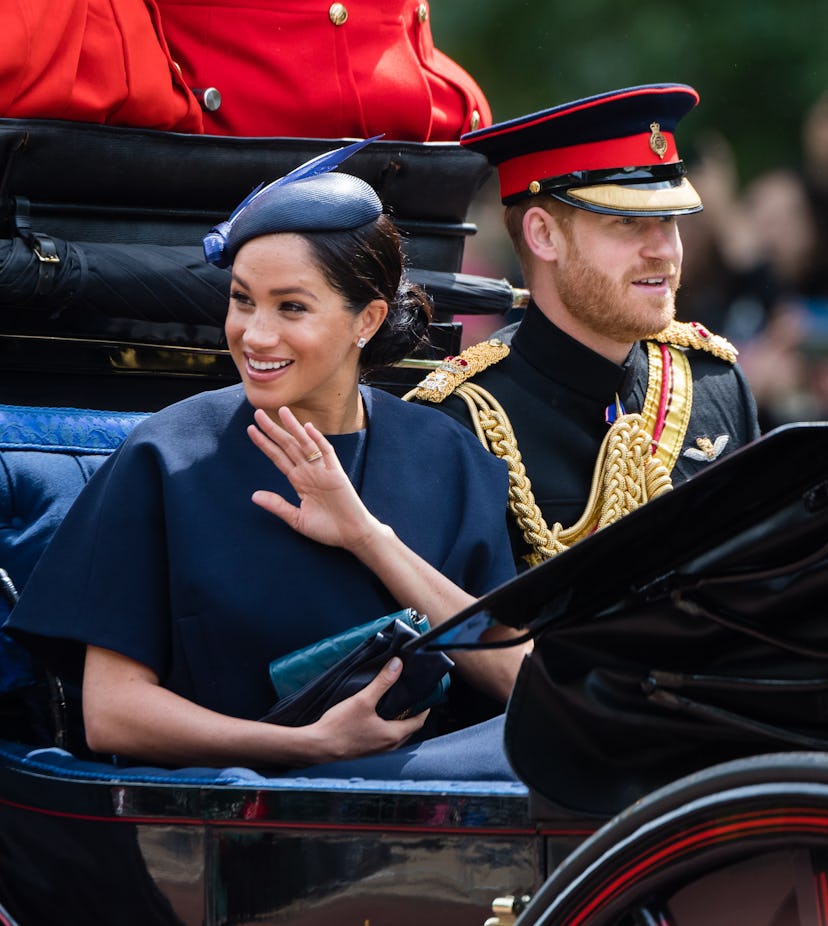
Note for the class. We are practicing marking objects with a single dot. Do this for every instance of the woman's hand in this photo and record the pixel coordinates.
(330, 511)
(353, 727)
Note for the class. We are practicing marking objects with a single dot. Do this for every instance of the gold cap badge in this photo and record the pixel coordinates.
(658, 143)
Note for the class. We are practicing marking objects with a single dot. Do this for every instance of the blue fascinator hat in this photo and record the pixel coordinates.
(309, 198)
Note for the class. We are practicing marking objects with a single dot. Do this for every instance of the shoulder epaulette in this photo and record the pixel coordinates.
(696, 336)
(453, 371)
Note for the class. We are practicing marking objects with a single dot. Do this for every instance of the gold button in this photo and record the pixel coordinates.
(534, 187)
(474, 122)
(338, 14)
(422, 12)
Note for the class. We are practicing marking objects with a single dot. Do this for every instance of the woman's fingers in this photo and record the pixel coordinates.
(353, 727)
(385, 679)
(278, 445)
(318, 438)
(273, 438)
(311, 443)
(278, 506)
(290, 442)
(270, 448)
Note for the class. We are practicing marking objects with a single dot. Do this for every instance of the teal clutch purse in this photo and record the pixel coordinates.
(291, 672)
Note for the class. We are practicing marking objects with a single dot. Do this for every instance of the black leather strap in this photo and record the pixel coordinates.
(43, 247)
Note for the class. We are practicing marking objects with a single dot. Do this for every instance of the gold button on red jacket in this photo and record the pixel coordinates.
(317, 69)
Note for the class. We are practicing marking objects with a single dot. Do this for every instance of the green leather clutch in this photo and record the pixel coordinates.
(291, 672)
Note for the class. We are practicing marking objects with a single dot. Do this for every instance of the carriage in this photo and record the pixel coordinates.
(639, 799)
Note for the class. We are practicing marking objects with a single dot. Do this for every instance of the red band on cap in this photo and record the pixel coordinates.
(634, 151)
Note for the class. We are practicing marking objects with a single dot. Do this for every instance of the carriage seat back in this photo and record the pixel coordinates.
(47, 455)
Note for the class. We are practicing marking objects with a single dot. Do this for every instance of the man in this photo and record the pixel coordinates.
(598, 399)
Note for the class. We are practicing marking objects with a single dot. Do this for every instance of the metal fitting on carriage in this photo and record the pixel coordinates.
(506, 909)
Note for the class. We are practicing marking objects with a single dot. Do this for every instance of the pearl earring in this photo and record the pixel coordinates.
(361, 343)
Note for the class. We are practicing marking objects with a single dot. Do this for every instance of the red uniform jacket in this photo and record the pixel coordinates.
(101, 61)
(317, 69)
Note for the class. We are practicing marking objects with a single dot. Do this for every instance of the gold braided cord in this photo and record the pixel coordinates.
(472, 395)
(495, 430)
(627, 473)
(626, 476)
(692, 334)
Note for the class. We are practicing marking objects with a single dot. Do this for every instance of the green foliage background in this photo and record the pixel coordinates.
(757, 64)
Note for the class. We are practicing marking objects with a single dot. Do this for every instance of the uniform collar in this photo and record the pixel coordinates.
(561, 359)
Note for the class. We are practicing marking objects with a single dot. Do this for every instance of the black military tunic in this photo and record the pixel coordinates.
(556, 392)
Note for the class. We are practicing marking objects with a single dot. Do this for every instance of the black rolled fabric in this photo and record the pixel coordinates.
(158, 283)
(465, 293)
(145, 282)
(25, 280)
(173, 283)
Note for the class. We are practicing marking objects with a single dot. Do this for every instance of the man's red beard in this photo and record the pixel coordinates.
(610, 308)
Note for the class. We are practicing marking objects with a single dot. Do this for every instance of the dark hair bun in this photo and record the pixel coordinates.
(404, 329)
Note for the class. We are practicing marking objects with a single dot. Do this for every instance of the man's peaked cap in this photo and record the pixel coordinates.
(613, 153)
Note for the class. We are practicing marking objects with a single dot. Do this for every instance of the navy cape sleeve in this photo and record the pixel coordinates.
(108, 553)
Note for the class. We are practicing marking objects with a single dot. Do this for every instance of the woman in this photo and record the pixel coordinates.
(170, 586)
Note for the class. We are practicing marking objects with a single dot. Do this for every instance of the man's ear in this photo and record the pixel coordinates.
(541, 233)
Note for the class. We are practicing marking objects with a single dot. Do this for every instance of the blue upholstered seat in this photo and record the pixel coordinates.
(46, 457)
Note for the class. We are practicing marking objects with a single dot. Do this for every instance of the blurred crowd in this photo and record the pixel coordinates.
(755, 268)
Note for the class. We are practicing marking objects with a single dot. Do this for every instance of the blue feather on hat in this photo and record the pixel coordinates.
(340, 201)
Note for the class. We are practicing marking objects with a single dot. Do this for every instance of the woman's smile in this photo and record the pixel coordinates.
(261, 367)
